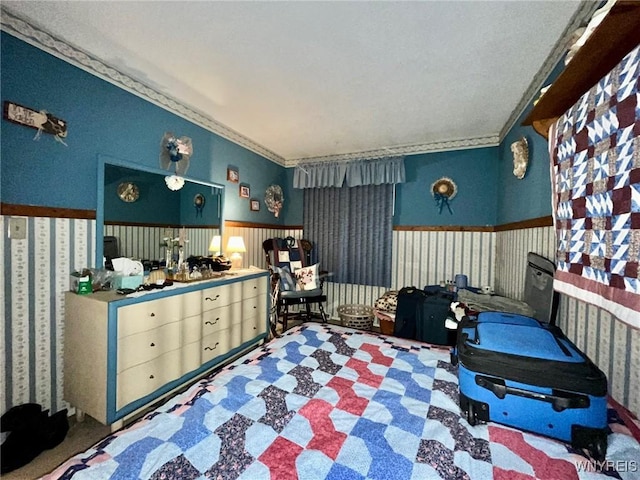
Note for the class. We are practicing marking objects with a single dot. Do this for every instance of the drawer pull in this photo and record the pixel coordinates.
(151, 377)
(212, 323)
(212, 299)
(212, 348)
(152, 344)
(152, 314)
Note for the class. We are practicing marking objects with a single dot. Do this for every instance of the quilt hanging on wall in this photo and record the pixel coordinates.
(595, 177)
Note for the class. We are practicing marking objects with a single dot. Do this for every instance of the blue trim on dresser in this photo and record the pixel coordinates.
(112, 414)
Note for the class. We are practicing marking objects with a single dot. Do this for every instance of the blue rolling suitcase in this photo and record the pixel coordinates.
(515, 371)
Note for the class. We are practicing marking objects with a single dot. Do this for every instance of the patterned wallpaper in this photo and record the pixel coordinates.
(146, 242)
(36, 275)
(607, 341)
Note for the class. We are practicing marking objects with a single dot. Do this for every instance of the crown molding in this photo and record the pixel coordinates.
(20, 28)
(412, 149)
(581, 17)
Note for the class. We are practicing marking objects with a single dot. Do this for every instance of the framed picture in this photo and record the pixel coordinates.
(244, 191)
(232, 175)
(255, 205)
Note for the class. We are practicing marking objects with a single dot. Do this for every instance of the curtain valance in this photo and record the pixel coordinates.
(356, 173)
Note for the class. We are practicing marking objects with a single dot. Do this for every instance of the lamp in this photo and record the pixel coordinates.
(235, 246)
(216, 243)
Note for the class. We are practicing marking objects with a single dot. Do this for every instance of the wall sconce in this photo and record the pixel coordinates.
(214, 246)
(235, 246)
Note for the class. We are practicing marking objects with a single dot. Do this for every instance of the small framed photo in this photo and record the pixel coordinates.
(244, 191)
(232, 175)
(255, 205)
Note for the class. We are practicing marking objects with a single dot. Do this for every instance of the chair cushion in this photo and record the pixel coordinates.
(287, 283)
(301, 293)
(307, 277)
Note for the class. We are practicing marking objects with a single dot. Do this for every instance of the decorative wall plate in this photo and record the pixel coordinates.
(128, 192)
(520, 150)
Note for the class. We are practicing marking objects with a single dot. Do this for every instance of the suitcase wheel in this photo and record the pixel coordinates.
(471, 414)
(594, 440)
(598, 449)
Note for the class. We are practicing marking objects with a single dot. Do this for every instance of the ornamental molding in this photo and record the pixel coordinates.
(43, 40)
(580, 18)
(412, 149)
(18, 27)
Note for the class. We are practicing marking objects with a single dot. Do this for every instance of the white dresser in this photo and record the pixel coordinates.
(123, 353)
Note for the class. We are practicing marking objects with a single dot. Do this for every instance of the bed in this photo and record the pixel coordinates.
(325, 401)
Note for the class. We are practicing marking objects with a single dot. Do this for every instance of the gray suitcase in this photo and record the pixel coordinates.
(538, 288)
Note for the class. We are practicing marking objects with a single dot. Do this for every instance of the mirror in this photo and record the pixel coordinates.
(137, 212)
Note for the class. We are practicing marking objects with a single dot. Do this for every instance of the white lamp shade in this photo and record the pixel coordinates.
(216, 243)
(235, 245)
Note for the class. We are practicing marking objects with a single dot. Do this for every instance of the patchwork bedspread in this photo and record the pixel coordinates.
(331, 402)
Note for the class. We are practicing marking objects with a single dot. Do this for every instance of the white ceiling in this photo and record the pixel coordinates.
(305, 79)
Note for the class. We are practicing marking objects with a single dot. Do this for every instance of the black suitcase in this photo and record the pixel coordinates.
(421, 315)
(408, 312)
(431, 327)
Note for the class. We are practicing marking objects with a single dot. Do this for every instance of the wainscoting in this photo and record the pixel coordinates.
(35, 277)
(148, 242)
(609, 343)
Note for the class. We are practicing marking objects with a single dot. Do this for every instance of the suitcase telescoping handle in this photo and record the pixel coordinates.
(560, 400)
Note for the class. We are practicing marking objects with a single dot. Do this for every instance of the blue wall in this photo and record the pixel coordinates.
(104, 119)
(529, 197)
(473, 171)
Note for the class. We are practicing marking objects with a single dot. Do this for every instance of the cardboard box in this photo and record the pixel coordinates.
(79, 283)
(130, 281)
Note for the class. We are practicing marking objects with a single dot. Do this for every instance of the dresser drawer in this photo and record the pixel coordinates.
(147, 345)
(254, 287)
(143, 379)
(148, 315)
(216, 344)
(191, 329)
(253, 327)
(220, 296)
(220, 318)
(256, 306)
(191, 357)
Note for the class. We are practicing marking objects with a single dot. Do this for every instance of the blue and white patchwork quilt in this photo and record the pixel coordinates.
(330, 402)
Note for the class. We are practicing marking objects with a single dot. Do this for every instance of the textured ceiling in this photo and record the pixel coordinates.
(325, 79)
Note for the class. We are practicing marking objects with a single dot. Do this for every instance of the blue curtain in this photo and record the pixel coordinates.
(355, 173)
(352, 232)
